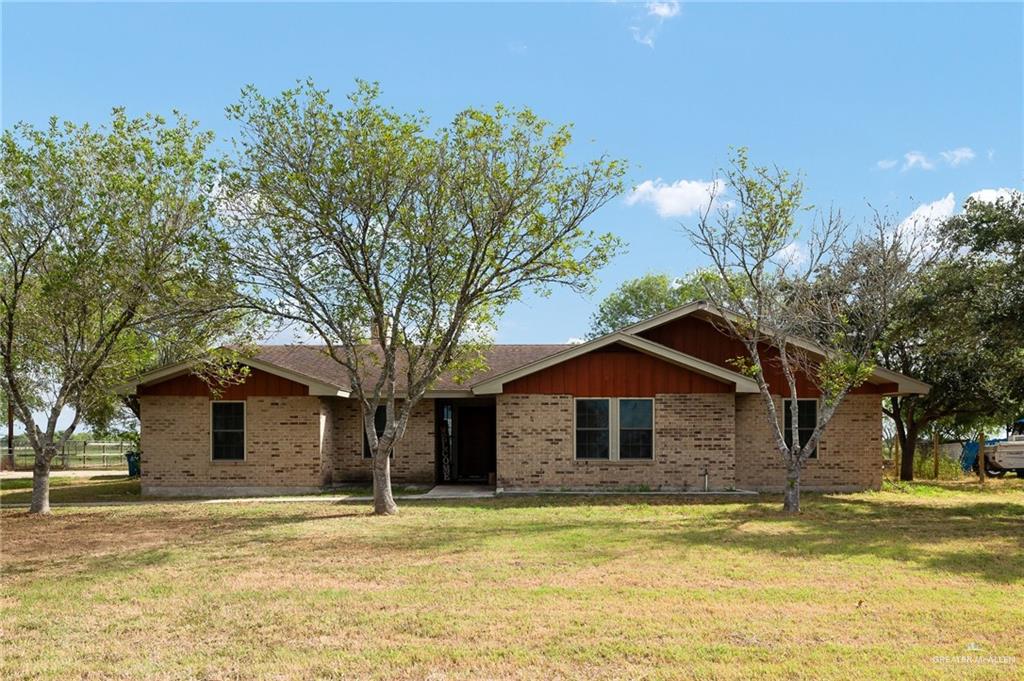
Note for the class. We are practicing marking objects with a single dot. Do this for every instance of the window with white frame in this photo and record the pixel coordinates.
(227, 427)
(615, 428)
(806, 422)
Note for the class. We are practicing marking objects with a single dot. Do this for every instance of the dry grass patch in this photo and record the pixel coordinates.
(876, 585)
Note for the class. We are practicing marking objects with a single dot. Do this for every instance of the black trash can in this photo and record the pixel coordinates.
(133, 458)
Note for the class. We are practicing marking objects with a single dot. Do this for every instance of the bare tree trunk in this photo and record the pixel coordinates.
(10, 434)
(41, 481)
(791, 500)
(908, 448)
(981, 458)
(383, 500)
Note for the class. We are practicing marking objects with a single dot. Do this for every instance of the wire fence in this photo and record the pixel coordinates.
(76, 454)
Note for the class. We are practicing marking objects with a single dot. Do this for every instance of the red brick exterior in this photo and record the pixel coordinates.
(302, 443)
(284, 440)
(849, 454)
(413, 461)
(292, 444)
(692, 434)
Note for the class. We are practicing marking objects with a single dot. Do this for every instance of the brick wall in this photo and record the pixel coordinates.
(725, 434)
(849, 454)
(693, 432)
(414, 455)
(282, 451)
(327, 441)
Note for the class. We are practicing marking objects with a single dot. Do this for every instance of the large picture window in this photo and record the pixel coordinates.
(228, 430)
(614, 428)
(807, 420)
(380, 421)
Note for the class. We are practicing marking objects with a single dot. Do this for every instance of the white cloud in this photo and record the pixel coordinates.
(916, 159)
(992, 195)
(922, 223)
(955, 157)
(921, 226)
(931, 213)
(921, 160)
(663, 10)
(928, 215)
(643, 37)
(792, 254)
(991, 154)
(683, 197)
(647, 27)
(574, 340)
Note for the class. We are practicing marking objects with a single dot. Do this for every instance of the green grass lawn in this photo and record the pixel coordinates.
(920, 581)
(109, 487)
(66, 490)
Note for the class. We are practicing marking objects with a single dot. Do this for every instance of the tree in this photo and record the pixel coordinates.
(645, 297)
(770, 295)
(960, 329)
(106, 242)
(399, 247)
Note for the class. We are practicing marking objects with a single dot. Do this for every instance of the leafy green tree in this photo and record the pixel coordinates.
(837, 292)
(961, 329)
(644, 297)
(107, 241)
(400, 246)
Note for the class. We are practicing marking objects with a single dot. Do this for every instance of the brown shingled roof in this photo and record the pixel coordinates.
(313, 361)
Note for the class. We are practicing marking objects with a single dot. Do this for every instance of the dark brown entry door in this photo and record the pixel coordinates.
(476, 442)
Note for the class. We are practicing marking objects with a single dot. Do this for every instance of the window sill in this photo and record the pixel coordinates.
(228, 462)
(627, 462)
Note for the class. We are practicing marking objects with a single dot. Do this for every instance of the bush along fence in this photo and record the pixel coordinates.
(931, 462)
(76, 454)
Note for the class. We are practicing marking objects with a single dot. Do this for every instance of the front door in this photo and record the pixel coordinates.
(466, 440)
(475, 442)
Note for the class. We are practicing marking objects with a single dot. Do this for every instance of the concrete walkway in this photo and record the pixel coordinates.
(459, 492)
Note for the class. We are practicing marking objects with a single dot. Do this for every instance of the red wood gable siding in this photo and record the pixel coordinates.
(615, 371)
(700, 338)
(257, 384)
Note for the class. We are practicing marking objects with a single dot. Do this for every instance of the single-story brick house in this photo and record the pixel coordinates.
(652, 406)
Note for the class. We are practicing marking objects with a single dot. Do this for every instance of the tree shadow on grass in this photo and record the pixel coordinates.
(831, 526)
(909, 534)
(837, 526)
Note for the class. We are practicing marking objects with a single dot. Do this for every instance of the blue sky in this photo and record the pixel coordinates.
(898, 105)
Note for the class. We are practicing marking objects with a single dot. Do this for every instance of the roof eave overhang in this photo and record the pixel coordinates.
(905, 385)
(315, 387)
(447, 394)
